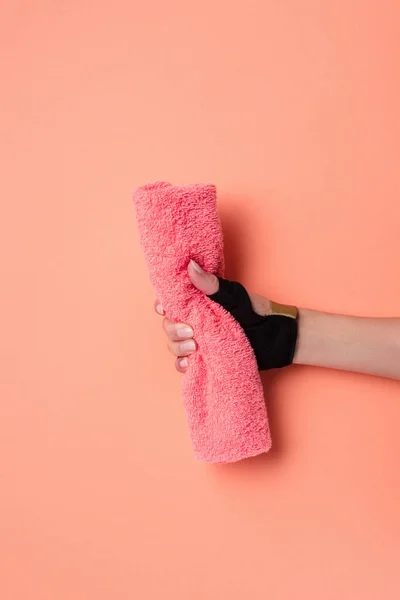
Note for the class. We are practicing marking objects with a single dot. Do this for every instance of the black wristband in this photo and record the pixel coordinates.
(273, 337)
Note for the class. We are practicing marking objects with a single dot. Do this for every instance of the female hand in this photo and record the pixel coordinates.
(359, 344)
(181, 337)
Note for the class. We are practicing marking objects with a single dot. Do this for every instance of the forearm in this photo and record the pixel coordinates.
(363, 345)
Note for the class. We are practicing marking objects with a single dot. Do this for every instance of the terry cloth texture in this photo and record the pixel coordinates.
(222, 389)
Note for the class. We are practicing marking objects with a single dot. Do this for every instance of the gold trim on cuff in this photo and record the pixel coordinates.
(284, 310)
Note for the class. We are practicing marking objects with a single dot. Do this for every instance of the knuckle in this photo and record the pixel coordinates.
(173, 348)
(170, 329)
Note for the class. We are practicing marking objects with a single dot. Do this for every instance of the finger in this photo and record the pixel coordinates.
(177, 332)
(158, 307)
(182, 348)
(181, 364)
(204, 281)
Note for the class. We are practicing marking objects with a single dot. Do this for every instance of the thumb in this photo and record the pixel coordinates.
(203, 281)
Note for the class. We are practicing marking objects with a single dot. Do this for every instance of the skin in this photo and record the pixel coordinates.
(358, 344)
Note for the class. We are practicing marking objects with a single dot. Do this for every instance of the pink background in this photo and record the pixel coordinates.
(292, 110)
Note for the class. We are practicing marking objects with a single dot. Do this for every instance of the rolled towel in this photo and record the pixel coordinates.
(222, 389)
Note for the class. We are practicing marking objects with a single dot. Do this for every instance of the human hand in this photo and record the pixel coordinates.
(325, 340)
(181, 337)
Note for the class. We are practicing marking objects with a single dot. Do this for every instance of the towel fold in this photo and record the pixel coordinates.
(222, 389)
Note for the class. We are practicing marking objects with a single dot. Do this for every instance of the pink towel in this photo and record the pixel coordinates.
(222, 390)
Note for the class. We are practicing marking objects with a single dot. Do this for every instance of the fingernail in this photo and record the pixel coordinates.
(183, 363)
(159, 309)
(196, 267)
(188, 346)
(185, 332)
